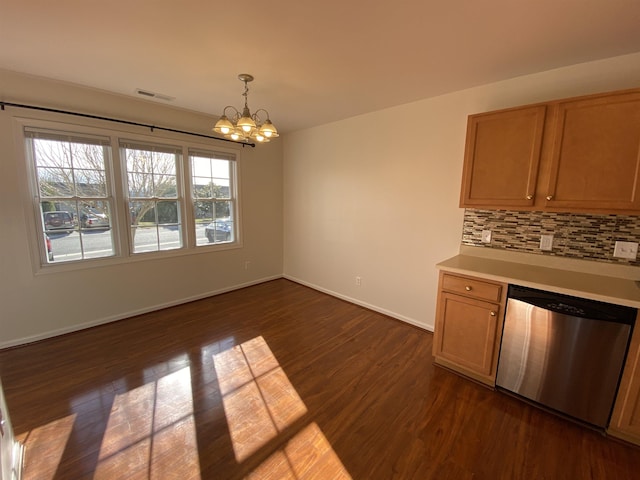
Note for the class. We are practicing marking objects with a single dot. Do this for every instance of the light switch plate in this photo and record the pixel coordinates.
(486, 236)
(626, 250)
(546, 242)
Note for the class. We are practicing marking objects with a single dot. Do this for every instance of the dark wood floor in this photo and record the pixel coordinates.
(278, 381)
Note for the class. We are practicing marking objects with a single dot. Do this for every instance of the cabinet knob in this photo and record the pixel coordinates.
(493, 314)
(529, 197)
(468, 288)
(549, 197)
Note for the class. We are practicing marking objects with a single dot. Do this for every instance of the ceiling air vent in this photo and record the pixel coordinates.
(157, 96)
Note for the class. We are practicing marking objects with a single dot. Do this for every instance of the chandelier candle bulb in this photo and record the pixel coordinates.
(246, 126)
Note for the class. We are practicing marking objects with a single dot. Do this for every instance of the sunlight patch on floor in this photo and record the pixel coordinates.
(260, 403)
(307, 455)
(44, 446)
(258, 399)
(150, 430)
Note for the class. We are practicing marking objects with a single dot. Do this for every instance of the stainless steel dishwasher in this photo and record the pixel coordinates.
(565, 353)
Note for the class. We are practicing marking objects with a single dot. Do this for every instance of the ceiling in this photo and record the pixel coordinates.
(313, 62)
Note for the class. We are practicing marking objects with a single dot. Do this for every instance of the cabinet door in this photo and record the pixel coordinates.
(502, 156)
(625, 419)
(466, 336)
(595, 160)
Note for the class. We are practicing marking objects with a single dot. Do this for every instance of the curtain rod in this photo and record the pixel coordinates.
(116, 120)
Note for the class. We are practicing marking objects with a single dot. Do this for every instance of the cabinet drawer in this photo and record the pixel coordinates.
(472, 287)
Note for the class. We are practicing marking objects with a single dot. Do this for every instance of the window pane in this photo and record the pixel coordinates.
(165, 186)
(203, 211)
(52, 153)
(167, 212)
(139, 212)
(87, 156)
(95, 215)
(55, 182)
(220, 188)
(137, 160)
(145, 239)
(140, 184)
(97, 243)
(169, 237)
(58, 215)
(201, 187)
(201, 166)
(218, 231)
(90, 183)
(223, 209)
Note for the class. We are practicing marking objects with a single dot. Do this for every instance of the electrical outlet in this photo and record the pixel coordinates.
(247, 264)
(626, 250)
(546, 242)
(358, 281)
(486, 236)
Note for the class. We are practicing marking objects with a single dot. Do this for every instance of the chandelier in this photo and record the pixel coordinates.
(245, 126)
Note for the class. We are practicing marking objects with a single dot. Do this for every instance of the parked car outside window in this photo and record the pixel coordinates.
(58, 220)
(93, 218)
(219, 230)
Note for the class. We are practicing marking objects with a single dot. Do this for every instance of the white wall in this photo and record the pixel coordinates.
(37, 306)
(376, 196)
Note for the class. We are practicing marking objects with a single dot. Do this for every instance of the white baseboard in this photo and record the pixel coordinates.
(133, 313)
(355, 301)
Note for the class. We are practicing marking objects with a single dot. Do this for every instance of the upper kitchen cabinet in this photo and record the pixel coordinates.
(574, 155)
(595, 159)
(502, 156)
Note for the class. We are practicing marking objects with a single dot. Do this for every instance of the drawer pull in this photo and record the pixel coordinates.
(468, 288)
(493, 314)
(549, 197)
(529, 197)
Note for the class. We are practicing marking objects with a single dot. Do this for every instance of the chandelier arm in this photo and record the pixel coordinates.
(256, 117)
(236, 113)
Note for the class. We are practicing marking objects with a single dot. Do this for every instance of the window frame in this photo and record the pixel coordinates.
(31, 135)
(117, 171)
(231, 199)
(153, 148)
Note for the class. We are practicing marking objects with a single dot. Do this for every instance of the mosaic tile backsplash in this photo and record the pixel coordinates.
(584, 236)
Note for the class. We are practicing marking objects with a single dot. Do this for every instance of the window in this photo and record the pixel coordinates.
(100, 198)
(154, 201)
(73, 194)
(213, 199)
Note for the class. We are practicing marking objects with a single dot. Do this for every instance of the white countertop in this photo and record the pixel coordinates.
(605, 288)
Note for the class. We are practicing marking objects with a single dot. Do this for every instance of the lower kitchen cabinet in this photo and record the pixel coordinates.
(468, 329)
(625, 420)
